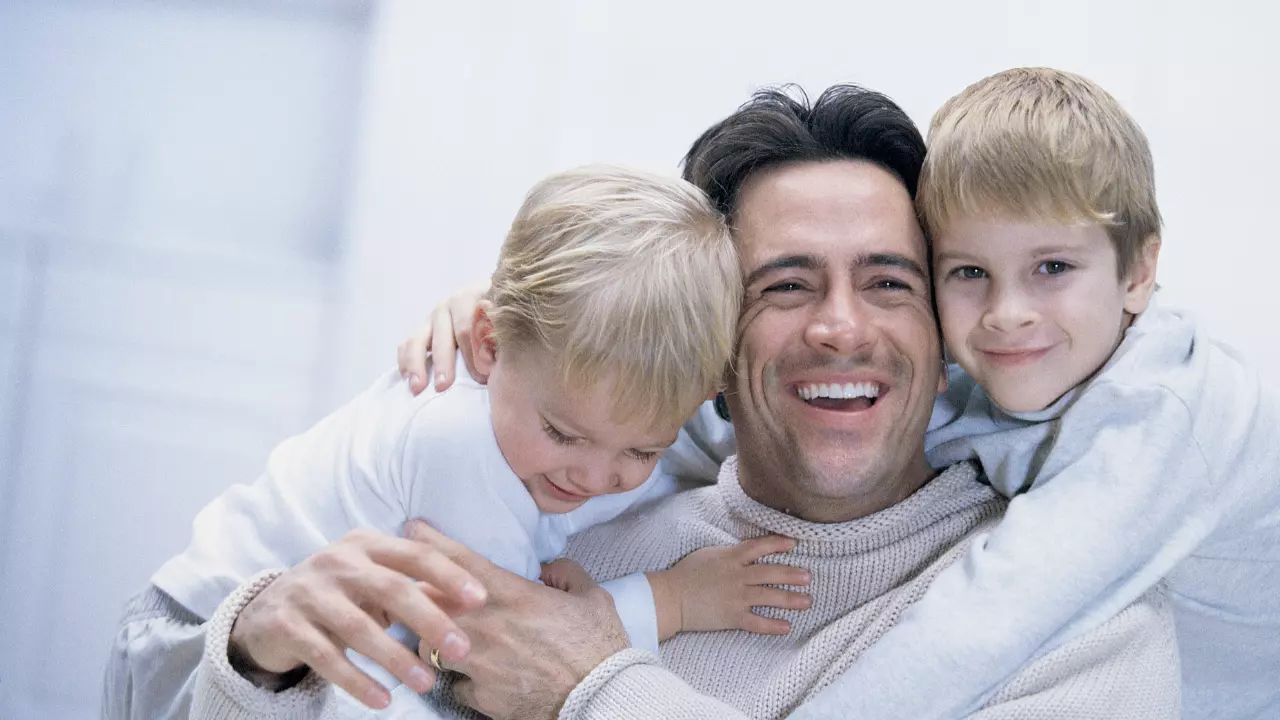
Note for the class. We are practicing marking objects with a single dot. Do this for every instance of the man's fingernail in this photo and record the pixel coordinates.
(439, 377)
(413, 379)
(454, 647)
(420, 680)
(376, 698)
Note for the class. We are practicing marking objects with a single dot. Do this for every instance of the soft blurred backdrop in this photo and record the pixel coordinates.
(218, 217)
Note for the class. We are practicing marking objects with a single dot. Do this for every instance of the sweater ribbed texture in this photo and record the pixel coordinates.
(866, 573)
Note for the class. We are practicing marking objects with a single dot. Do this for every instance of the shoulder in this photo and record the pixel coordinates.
(458, 412)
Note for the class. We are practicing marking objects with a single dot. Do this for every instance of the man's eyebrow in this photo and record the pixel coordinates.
(893, 260)
(804, 262)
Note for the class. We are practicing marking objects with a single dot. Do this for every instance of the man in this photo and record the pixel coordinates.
(830, 393)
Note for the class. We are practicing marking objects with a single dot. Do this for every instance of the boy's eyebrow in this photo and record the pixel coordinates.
(803, 262)
(1055, 249)
(1042, 250)
(949, 255)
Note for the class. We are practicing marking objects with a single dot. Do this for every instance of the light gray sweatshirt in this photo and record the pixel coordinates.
(1165, 464)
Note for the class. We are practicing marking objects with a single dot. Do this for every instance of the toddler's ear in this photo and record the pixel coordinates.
(484, 345)
(1141, 282)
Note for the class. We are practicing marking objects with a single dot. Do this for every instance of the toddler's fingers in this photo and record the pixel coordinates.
(443, 347)
(776, 598)
(761, 625)
(752, 550)
(771, 574)
(565, 574)
(411, 357)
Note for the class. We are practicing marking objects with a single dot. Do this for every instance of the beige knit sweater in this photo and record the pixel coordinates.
(866, 573)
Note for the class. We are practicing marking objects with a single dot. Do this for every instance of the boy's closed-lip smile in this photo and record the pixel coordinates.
(1012, 357)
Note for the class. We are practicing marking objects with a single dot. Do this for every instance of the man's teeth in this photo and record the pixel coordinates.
(838, 391)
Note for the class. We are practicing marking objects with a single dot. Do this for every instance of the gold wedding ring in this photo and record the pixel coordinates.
(435, 659)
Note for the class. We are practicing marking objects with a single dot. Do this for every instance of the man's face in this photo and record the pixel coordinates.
(838, 360)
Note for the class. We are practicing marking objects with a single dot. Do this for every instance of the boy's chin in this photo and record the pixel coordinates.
(556, 507)
(1025, 401)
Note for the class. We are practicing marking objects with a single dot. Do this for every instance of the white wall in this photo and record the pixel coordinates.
(173, 185)
(471, 103)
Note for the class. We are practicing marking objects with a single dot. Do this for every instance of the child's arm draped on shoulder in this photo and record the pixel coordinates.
(1113, 509)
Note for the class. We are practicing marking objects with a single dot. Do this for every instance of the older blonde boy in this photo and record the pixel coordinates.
(610, 320)
(1135, 448)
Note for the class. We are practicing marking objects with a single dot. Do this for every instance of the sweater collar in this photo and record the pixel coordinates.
(953, 490)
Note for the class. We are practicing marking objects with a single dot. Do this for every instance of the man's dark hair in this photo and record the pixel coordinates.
(775, 128)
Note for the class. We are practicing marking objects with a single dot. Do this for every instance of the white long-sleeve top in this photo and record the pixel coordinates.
(384, 458)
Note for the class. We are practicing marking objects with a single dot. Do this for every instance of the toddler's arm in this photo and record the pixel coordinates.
(715, 588)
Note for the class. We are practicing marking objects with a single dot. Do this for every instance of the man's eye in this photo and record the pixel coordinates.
(889, 284)
(788, 286)
(969, 272)
(644, 455)
(1053, 267)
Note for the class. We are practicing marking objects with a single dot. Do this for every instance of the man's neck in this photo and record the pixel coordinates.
(776, 489)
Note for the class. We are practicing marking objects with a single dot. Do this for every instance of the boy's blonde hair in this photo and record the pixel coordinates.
(625, 277)
(1041, 145)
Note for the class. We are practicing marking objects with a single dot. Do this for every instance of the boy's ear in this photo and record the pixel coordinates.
(1141, 282)
(484, 346)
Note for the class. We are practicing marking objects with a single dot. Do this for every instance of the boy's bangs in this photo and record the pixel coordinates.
(1004, 188)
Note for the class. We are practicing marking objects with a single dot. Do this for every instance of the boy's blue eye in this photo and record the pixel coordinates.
(969, 272)
(1053, 267)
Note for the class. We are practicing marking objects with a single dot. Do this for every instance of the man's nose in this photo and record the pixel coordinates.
(840, 324)
(1009, 308)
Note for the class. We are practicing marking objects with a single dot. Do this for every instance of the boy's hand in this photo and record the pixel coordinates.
(715, 588)
(448, 330)
(567, 575)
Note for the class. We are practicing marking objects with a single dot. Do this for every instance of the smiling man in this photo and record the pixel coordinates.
(830, 392)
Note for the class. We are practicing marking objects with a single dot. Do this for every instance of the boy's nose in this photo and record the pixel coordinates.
(594, 480)
(1008, 310)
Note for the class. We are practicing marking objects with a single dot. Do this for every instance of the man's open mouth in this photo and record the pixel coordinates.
(837, 396)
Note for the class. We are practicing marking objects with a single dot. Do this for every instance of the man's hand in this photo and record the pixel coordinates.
(345, 596)
(530, 644)
(448, 330)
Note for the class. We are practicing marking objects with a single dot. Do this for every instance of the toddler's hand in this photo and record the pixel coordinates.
(715, 588)
(567, 575)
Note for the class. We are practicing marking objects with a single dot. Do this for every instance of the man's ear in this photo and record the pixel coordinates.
(1141, 282)
(484, 345)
